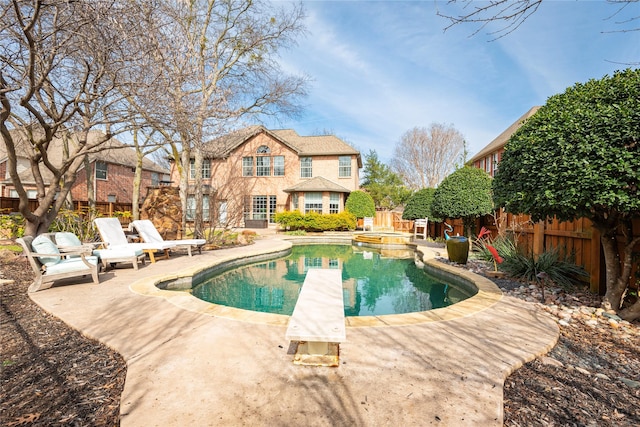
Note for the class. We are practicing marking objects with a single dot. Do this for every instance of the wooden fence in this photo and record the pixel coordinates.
(10, 205)
(578, 238)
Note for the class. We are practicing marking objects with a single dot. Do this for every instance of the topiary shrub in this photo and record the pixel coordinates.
(360, 204)
(466, 194)
(419, 205)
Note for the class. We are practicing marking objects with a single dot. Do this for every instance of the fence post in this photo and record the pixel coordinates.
(538, 238)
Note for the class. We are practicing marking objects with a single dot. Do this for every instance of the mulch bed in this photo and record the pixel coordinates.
(52, 375)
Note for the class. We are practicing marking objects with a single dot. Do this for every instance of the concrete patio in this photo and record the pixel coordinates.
(192, 363)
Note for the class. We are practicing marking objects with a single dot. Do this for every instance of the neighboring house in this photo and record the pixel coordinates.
(488, 158)
(112, 170)
(252, 173)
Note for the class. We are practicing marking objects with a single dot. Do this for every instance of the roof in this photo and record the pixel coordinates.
(116, 153)
(323, 145)
(501, 140)
(317, 184)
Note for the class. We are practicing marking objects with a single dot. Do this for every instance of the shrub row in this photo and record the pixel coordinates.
(295, 220)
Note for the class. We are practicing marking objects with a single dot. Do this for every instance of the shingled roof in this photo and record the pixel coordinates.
(317, 184)
(323, 145)
(501, 140)
(116, 153)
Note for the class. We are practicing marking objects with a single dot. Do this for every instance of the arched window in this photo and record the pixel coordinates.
(263, 149)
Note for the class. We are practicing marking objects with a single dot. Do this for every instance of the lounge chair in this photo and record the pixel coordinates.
(113, 237)
(67, 241)
(49, 264)
(149, 234)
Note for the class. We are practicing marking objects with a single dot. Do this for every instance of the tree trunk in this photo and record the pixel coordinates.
(615, 285)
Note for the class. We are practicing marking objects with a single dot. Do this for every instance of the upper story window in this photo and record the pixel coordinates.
(344, 166)
(306, 169)
(101, 170)
(495, 164)
(278, 165)
(263, 166)
(205, 170)
(263, 149)
(247, 166)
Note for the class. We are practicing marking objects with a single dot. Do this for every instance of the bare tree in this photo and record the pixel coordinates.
(58, 60)
(513, 13)
(216, 63)
(425, 156)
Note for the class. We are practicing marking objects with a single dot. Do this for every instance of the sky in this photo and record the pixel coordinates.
(381, 68)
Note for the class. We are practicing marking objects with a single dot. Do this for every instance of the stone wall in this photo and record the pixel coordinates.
(162, 206)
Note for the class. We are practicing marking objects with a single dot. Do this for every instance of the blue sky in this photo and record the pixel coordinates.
(380, 68)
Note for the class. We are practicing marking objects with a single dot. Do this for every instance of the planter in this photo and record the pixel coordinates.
(256, 223)
(458, 249)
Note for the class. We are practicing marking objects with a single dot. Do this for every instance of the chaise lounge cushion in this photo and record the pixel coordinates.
(64, 238)
(72, 264)
(44, 245)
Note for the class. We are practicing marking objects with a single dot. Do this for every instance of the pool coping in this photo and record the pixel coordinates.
(487, 295)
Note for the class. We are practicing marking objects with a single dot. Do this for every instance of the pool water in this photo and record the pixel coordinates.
(373, 284)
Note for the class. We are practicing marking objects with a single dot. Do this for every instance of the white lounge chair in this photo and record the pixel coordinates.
(49, 264)
(67, 241)
(149, 234)
(113, 236)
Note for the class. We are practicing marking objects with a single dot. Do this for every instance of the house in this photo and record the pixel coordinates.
(252, 173)
(488, 158)
(112, 170)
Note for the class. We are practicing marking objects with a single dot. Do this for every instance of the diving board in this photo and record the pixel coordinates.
(318, 317)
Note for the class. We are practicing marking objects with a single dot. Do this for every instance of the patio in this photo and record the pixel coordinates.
(187, 366)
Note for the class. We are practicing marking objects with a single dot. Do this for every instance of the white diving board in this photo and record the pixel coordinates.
(318, 317)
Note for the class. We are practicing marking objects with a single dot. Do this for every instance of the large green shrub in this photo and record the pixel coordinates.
(578, 156)
(466, 194)
(360, 204)
(313, 221)
(419, 205)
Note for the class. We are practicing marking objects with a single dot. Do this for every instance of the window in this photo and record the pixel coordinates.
(313, 202)
(263, 149)
(259, 207)
(222, 212)
(101, 170)
(305, 167)
(344, 166)
(294, 201)
(334, 203)
(247, 166)
(272, 208)
(191, 207)
(205, 170)
(278, 166)
(495, 163)
(31, 194)
(487, 165)
(155, 179)
(263, 166)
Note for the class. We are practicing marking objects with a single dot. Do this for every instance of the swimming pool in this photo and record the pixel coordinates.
(373, 283)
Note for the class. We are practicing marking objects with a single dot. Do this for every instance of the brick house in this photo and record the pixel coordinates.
(252, 173)
(112, 169)
(488, 158)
